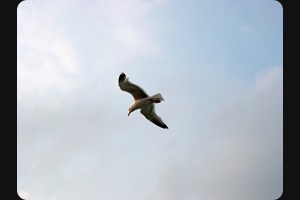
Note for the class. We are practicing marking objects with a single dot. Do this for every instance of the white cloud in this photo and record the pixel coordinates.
(56, 47)
(131, 24)
(249, 132)
(46, 58)
(240, 156)
(23, 194)
(26, 196)
(269, 77)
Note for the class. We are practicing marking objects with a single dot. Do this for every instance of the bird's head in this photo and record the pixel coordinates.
(131, 110)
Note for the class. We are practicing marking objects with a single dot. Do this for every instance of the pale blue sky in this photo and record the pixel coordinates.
(218, 65)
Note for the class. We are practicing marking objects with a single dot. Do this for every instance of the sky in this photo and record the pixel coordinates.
(219, 66)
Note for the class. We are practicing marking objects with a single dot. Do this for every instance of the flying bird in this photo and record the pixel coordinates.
(142, 101)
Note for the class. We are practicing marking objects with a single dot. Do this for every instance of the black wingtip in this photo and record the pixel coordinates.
(122, 77)
(165, 126)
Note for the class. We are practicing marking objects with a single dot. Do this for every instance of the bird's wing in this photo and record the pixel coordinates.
(136, 91)
(149, 112)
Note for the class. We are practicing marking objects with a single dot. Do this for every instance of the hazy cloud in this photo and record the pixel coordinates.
(75, 140)
(245, 151)
(45, 61)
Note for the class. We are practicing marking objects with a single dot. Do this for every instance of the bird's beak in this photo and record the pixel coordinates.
(129, 113)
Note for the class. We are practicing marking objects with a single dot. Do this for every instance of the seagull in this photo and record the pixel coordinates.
(142, 101)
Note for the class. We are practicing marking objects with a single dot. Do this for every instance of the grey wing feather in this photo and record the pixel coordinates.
(136, 91)
(149, 113)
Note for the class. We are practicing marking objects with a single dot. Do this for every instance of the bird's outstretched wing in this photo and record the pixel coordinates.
(149, 112)
(136, 91)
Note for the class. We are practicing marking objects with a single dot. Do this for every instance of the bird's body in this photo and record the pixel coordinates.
(142, 101)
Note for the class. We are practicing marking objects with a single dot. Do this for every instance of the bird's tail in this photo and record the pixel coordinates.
(157, 98)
